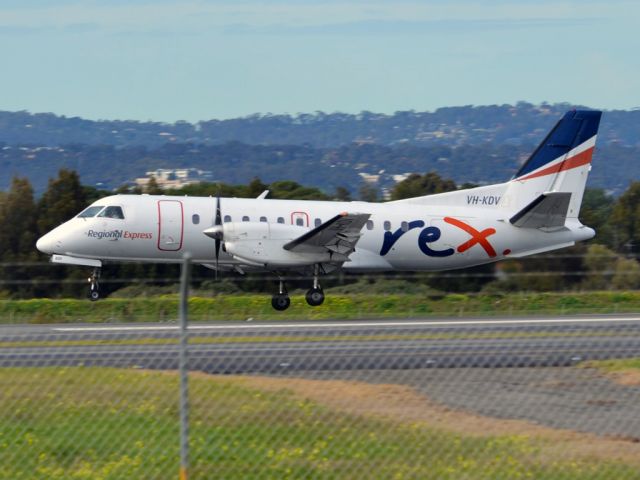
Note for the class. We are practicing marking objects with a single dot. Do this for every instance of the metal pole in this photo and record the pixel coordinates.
(184, 368)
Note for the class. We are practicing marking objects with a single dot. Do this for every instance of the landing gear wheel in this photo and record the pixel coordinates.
(94, 295)
(280, 301)
(94, 288)
(314, 297)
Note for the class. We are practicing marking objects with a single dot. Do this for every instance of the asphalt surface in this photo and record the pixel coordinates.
(315, 346)
(492, 367)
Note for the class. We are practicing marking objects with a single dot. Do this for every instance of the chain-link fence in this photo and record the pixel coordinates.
(397, 394)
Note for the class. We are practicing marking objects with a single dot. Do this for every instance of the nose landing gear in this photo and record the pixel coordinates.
(94, 287)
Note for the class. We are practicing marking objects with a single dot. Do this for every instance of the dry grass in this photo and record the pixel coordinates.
(403, 404)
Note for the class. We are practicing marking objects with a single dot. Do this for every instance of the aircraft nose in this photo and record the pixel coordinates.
(46, 244)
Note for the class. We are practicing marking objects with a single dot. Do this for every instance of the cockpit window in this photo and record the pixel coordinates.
(90, 212)
(112, 212)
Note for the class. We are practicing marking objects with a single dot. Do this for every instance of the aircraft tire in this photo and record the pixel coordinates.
(94, 295)
(314, 297)
(280, 301)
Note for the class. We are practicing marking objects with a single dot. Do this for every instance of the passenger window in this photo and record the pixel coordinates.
(263, 219)
(245, 219)
(112, 212)
(90, 212)
(227, 218)
(387, 225)
(317, 222)
(280, 220)
(300, 222)
(195, 219)
(369, 224)
(404, 226)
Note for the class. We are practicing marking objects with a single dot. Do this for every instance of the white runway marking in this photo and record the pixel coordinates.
(276, 326)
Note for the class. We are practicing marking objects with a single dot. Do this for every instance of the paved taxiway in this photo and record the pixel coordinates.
(251, 347)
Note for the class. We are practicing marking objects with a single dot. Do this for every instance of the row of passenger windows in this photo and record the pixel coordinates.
(116, 212)
(301, 223)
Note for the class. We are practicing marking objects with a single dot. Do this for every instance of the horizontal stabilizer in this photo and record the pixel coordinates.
(547, 211)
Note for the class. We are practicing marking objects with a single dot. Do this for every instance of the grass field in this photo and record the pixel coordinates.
(100, 423)
(258, 307)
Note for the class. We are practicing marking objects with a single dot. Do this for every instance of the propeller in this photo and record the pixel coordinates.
(218, 237)
(216, 232)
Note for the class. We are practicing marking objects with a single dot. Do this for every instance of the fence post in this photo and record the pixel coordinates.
(184, 368)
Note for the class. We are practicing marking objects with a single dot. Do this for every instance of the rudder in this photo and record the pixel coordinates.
(561, 163)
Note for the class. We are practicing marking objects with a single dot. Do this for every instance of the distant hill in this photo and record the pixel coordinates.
(468, 144)
(327, 168)
(518, 124)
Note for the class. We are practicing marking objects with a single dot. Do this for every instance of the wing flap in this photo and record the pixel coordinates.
(339, 235)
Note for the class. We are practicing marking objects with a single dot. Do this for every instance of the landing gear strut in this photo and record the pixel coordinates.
(281, 301)
(315, 295)
(94, 287)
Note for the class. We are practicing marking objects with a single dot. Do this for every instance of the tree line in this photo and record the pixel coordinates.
(609, 261)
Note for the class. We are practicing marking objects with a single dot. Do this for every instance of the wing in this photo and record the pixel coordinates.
(338, 235)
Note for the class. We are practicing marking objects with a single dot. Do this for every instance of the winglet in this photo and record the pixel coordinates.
(263, 195)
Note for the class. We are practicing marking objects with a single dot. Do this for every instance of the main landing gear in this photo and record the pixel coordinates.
(314, 296)
(94, 287)
(281, 301)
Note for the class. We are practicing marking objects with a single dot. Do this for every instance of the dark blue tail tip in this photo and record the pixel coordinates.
(575, 127)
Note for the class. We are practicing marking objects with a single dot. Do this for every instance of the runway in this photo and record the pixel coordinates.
(283, 347)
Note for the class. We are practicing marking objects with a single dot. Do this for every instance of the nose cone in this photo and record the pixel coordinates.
(46, 244)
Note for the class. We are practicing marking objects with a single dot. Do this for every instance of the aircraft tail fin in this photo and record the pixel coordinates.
(561, 163)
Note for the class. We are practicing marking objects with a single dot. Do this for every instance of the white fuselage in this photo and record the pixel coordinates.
(398, 236)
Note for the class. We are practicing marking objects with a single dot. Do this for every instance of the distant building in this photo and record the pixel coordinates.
(369, 178)
(175, 177)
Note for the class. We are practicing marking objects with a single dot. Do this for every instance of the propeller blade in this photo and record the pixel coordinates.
(218, 223)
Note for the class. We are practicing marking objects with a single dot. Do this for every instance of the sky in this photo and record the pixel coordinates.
(170, 60)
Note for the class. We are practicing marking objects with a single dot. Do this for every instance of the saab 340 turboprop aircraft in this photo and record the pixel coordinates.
(535, 212)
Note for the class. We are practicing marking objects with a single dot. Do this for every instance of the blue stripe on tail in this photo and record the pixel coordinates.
(574, 128)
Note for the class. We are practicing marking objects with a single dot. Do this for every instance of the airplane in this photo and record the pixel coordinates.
(534, 212)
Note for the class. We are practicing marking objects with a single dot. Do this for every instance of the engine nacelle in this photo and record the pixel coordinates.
(261, 243)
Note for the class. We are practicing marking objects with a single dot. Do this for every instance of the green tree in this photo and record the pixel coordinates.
(255, 188)
(368, 193)
(595, 212)
(600, 264)
(342, 194)
(18, 217)
(626, 275)
(152, 187)
(625, 220)
(18, 235)
(416, 185)
(92, 194)
(64, 198)
(288, 189)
